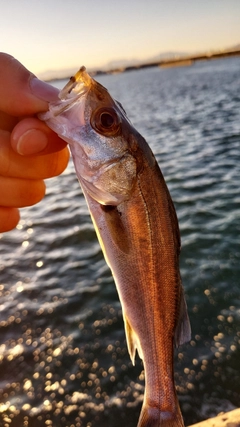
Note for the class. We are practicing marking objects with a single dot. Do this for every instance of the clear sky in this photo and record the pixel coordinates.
(60, 34)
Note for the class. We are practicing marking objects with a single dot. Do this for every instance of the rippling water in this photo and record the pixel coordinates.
(63, 356)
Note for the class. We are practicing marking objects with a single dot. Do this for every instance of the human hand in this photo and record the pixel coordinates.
(29, 151)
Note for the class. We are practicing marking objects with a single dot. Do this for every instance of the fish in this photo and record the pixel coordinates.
(137, 228)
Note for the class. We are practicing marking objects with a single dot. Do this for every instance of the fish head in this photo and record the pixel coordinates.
(103, 142)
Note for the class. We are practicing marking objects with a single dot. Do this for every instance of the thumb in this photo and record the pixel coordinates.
(21, 93)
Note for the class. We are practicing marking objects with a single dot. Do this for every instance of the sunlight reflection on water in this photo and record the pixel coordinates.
(63, 356)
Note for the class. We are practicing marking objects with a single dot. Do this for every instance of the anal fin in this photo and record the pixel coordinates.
(133, 343)
(183, 328)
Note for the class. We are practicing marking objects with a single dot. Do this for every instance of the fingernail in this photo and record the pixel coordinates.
(31, 142)
(43, 90)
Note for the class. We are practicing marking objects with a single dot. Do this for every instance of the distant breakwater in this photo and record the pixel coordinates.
(173, 61)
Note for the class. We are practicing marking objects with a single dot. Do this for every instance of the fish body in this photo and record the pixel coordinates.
(137, 228)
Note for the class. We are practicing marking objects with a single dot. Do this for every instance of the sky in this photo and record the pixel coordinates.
(63, 34)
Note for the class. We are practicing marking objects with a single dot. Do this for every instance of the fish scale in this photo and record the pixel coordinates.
(137, 228)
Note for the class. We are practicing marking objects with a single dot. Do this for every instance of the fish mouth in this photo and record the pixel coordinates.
(78, 86)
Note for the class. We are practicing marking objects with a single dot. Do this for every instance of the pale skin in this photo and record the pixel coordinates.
(29, 151)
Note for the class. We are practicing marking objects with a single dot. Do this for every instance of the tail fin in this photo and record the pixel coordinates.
(153, 417)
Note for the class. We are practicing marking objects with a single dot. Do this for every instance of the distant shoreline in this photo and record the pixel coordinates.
(175, 61)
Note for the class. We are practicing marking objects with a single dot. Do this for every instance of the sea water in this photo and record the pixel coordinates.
(63, 355)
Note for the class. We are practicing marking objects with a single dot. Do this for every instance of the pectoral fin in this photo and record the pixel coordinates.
(116, 227)
(132, 340)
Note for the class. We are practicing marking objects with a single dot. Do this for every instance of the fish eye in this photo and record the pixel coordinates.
(106, 121)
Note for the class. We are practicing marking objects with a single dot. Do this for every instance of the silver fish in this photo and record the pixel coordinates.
(137, 228)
